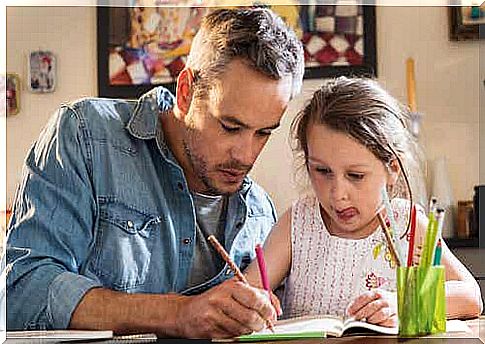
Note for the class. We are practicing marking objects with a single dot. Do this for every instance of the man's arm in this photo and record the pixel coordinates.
(53, 218)
(227, 310)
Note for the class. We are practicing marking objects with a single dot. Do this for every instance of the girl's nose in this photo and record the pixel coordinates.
(339, 190)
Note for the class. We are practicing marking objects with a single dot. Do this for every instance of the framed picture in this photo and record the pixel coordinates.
(12, 94)
(467, 23)
(42, 72)
(143, 47)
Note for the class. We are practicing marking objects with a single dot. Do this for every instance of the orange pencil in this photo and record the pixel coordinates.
(219, 248)
(390, 241)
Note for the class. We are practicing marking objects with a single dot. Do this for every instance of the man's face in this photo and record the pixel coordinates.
(226, 131)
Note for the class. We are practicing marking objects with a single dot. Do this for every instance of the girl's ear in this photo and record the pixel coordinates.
(394, 171)
(185, 82)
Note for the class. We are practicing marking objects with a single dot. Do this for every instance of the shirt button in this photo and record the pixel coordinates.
(187, 241)
(180, 186)
(129, 223)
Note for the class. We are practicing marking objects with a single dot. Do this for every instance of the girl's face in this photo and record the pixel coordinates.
(347, 179)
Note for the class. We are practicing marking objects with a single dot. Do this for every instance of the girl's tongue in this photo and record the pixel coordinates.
(347, 213)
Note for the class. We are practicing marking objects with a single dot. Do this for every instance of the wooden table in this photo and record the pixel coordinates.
(477, 336)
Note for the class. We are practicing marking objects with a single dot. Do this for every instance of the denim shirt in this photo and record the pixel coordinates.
(103, 203)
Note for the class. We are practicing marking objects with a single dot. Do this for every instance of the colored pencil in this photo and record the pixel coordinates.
(440, 216)
(437, 254)
(262, 268)
(220, 249)
(412, 234)
(393, 227)
(431, 234)
(390, 241)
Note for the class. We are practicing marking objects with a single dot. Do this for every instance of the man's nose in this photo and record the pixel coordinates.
(245, 150)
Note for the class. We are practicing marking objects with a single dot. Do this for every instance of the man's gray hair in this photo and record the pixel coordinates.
(257, 36)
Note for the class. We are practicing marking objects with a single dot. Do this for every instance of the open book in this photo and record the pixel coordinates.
(314, 327)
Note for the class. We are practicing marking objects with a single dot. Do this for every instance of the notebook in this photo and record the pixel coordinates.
(55, 336)
(328, 326)
(313, 327)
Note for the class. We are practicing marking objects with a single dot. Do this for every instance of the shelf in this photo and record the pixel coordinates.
(458, 242)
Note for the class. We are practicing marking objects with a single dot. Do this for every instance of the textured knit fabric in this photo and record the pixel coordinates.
(328, 272)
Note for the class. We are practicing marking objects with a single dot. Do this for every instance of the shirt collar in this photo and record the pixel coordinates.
(144, 120)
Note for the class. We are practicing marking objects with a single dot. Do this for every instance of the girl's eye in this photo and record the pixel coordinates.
(356, 176)
(322, 170)
(229, 129)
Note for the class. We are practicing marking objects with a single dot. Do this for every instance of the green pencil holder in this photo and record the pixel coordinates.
(421, 302)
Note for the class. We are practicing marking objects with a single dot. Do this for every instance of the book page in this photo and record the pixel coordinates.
(352, 323)
(456, 325)
(333, 326)
(451, 326)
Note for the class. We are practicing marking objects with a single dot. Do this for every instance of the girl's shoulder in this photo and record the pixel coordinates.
(305, 201)
(304, 209)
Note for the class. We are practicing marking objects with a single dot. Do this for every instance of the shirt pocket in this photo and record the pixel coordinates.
(124, 245)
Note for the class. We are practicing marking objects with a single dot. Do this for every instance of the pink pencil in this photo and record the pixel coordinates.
(264, 275)
(262, 268)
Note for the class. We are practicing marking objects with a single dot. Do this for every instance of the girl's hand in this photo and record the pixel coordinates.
(376, 307)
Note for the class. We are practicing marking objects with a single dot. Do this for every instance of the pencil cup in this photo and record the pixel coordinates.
(421, 302)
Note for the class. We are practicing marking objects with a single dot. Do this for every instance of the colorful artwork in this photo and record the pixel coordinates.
(473, 15)
(332, 35)
(12, 94)
(42, 72)
(159, 41)
(148, 46)
(467, 23)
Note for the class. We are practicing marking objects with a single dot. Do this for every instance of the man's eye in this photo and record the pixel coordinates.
(229, 129)
(264, 132)
(356, 176)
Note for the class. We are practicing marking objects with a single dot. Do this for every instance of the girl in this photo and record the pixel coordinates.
(329, 246)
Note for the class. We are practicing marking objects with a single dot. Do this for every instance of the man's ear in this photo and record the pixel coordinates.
(185, 82)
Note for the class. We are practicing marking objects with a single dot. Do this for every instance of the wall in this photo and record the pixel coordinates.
(448, 85)
(70, 33)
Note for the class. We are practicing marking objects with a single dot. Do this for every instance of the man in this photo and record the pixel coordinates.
(118, 197)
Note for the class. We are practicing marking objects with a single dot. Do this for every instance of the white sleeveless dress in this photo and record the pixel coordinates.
(328, 272)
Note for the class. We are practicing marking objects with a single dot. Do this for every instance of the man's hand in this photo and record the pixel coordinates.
(230, 309)
(376, 307)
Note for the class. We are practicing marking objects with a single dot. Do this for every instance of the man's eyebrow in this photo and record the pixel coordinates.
(235, 121)
(272, 127)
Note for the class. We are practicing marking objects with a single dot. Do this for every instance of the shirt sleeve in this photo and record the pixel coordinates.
(53, 218)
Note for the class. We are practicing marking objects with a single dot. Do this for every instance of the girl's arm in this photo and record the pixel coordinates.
(463, 297)
(277, 254)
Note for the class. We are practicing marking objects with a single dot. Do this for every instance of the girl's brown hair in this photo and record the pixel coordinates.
(362, 109)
